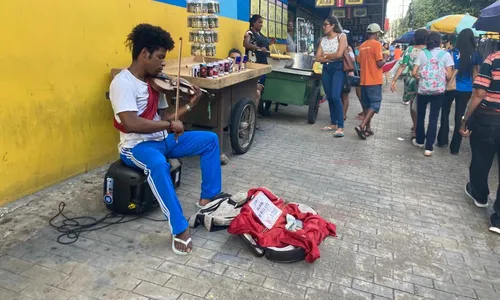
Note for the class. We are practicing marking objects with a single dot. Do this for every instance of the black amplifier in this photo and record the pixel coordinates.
(126, 190)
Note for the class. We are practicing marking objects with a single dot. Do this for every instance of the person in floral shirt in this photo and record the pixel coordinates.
(433, 68)
(410, 83)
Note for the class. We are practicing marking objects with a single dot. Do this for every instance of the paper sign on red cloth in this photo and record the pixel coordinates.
(315, 228)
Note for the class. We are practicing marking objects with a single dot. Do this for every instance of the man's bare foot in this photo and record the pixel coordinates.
(204, 202)
(185, 236)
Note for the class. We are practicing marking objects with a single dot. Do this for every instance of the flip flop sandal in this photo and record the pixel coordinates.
(185, 243)
(327, 128)
(338, 134)
(360, 132)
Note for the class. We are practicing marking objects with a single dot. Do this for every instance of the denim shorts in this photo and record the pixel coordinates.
(371, 97)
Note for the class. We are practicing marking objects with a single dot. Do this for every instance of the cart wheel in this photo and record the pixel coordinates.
(265, 107)
(313, 106)
(243, 125)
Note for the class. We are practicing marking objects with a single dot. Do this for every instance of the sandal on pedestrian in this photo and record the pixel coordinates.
(338, 134)
(369, 132)
(329, 128)
(185, 243)
(361, 132)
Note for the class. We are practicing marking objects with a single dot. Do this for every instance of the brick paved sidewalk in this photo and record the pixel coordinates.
(406, 230)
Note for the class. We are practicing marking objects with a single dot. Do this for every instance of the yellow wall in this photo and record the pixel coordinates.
(55, 121)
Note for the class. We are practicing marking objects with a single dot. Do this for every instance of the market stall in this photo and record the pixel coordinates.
(293, 81)
(231, 104)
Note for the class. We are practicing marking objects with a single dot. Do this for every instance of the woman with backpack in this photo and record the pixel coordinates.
(410, 83)
(433, 69)
(467, 61)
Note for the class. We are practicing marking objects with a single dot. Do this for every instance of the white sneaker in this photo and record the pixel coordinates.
(414, 141)
(428, 153)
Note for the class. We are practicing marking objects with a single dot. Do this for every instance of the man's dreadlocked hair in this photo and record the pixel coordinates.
(150, 37)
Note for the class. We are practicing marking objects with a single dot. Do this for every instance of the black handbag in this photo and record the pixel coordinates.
(354, 80)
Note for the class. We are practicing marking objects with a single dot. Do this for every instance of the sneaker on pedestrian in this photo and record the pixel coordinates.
(495, 223)
(428, 153)
(414, 141)
(468, 191)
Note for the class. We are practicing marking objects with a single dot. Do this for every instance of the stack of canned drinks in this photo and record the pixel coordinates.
(203, 36)
(219, 68)
(203, 49)
(203, 22)
(203, 6)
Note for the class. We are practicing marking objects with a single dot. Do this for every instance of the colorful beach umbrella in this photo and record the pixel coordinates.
(453, 24)
(406, 38)
(489, 19)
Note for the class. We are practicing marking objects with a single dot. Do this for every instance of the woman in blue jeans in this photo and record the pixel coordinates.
(330, 54)
(467, 61)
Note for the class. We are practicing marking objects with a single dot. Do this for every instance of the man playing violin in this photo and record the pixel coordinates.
(149, 134)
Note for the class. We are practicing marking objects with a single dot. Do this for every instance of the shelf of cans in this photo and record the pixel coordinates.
(204, 21)
(203, 36)
(203, 49)
(203, 6)
(219, 68)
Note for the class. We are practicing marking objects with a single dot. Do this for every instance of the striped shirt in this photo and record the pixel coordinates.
(489, 79)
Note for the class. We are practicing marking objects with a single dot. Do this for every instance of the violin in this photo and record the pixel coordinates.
(165, 84)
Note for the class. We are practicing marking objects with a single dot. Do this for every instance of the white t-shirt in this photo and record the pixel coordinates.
(127, 93)
(330, 46)
(447, 60)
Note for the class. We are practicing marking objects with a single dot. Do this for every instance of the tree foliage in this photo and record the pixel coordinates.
(420, 12)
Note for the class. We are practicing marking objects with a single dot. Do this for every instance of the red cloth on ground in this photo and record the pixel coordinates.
(150, 111)
(315, 228)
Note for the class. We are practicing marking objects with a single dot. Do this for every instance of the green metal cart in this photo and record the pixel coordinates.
(293, 87)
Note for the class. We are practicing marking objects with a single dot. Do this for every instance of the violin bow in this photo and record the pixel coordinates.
(178, 81)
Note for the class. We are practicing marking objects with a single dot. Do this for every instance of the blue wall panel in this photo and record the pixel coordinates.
(244, 10)
(234, 9)
(229, 8)
(181, 3)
